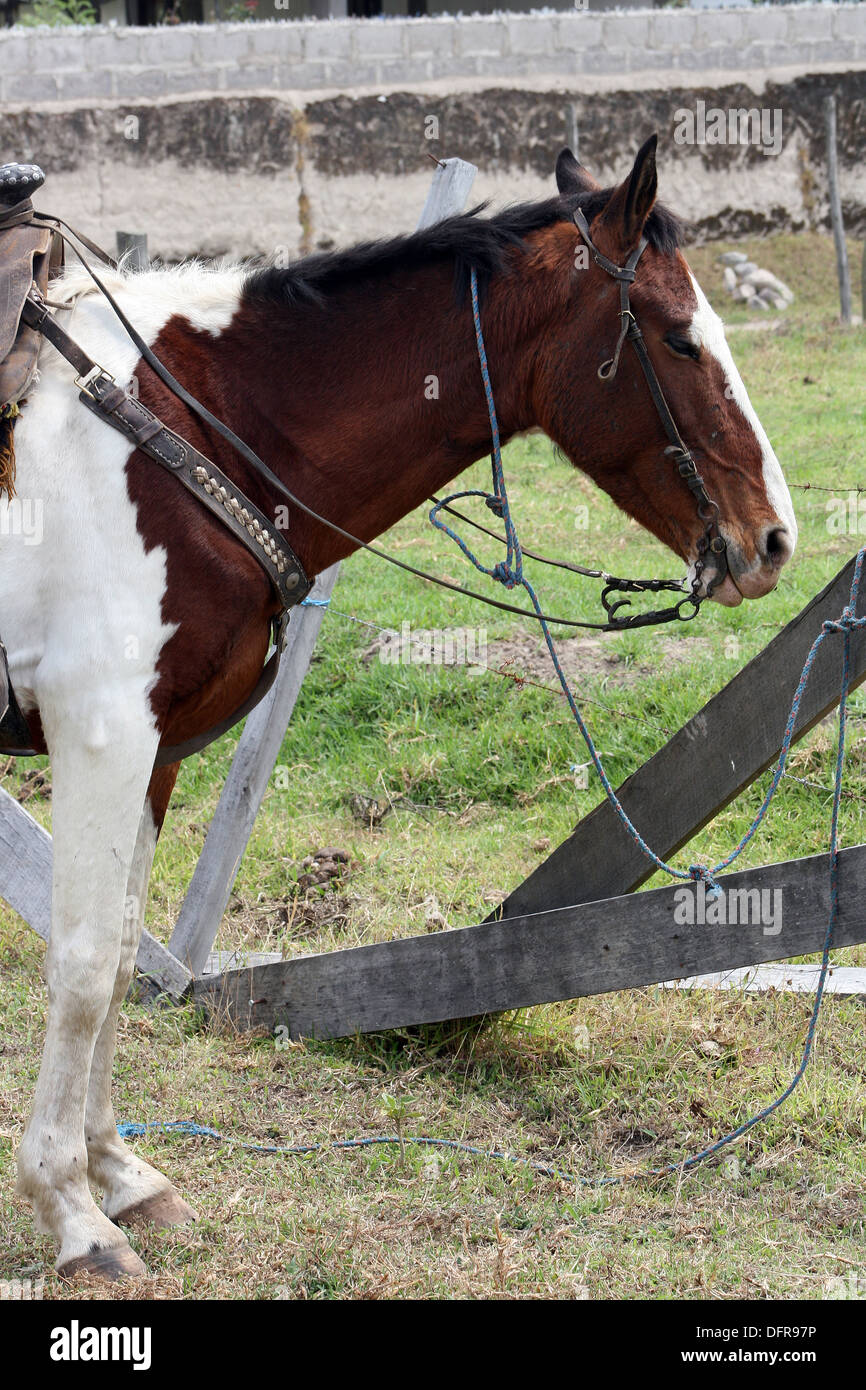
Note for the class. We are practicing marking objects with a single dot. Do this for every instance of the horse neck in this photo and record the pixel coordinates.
(367, 406)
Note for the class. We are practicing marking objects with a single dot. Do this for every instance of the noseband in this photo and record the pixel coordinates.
(712, 541)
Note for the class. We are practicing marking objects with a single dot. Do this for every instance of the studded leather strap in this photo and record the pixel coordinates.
(213, 488)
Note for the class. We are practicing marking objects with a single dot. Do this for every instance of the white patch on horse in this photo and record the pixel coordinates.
(82, 621)
(708, 330)
(90, 581)
(207, 296)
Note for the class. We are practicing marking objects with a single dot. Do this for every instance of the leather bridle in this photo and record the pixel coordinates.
(712, 541)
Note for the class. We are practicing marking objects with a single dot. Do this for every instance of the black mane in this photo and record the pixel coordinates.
(471, 241)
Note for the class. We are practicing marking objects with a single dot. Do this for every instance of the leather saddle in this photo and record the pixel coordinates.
(28, 255)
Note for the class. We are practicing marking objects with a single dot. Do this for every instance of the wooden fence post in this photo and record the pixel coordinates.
(134, 246)
(572, 135)
(842, 268)
(452, 180)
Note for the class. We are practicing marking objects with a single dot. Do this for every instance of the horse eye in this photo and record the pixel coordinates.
(683, 347)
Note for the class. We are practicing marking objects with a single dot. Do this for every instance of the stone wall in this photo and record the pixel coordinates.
(299, 56)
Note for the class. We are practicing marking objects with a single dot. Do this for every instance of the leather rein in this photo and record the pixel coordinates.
(101, 394)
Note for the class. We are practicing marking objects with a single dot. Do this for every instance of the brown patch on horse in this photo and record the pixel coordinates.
(339, 456)
(216, 593)
(159, 791)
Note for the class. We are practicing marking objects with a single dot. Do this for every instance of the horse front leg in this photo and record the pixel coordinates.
(130, 1187)
(100, 773)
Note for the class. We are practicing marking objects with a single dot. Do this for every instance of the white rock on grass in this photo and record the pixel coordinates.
(765, 279)
(747, 283)
(774, 297)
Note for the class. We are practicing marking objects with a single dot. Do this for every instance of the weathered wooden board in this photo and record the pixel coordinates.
(786, 979)
(220, 961)
(247, 781)
(25, 876)
(706, 764)
(25, 864)
(593, 948)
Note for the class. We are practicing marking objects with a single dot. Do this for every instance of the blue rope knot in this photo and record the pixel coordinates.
(504, 574)
(846, 622)
(700, 873)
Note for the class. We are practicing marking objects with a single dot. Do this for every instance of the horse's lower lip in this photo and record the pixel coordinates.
(727, 593)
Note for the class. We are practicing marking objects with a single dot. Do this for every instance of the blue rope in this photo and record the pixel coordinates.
(190, 1129)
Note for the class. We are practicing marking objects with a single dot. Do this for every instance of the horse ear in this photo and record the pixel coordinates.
(629, 207)
(571, 177)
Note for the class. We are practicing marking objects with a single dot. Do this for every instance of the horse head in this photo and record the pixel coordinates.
(608, 422)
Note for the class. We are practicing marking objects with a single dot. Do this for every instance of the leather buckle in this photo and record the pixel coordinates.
(84, 382)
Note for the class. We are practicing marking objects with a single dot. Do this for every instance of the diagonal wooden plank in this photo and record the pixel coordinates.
(593, 948)
(246, 783)
(783, 979)
(25, 864)
(706, 764)
(25, 876)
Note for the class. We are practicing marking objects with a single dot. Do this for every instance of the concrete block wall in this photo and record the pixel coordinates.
(92, 65)
(295, 136)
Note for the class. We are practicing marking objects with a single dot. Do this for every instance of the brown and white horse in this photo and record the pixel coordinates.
(139, 620)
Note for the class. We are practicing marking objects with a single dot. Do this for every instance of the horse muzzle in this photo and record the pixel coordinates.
(759, 576)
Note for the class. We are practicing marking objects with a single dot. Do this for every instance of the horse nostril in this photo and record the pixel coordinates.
(778, 546)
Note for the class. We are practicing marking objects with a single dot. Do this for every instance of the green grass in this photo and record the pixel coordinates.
(477, 771)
